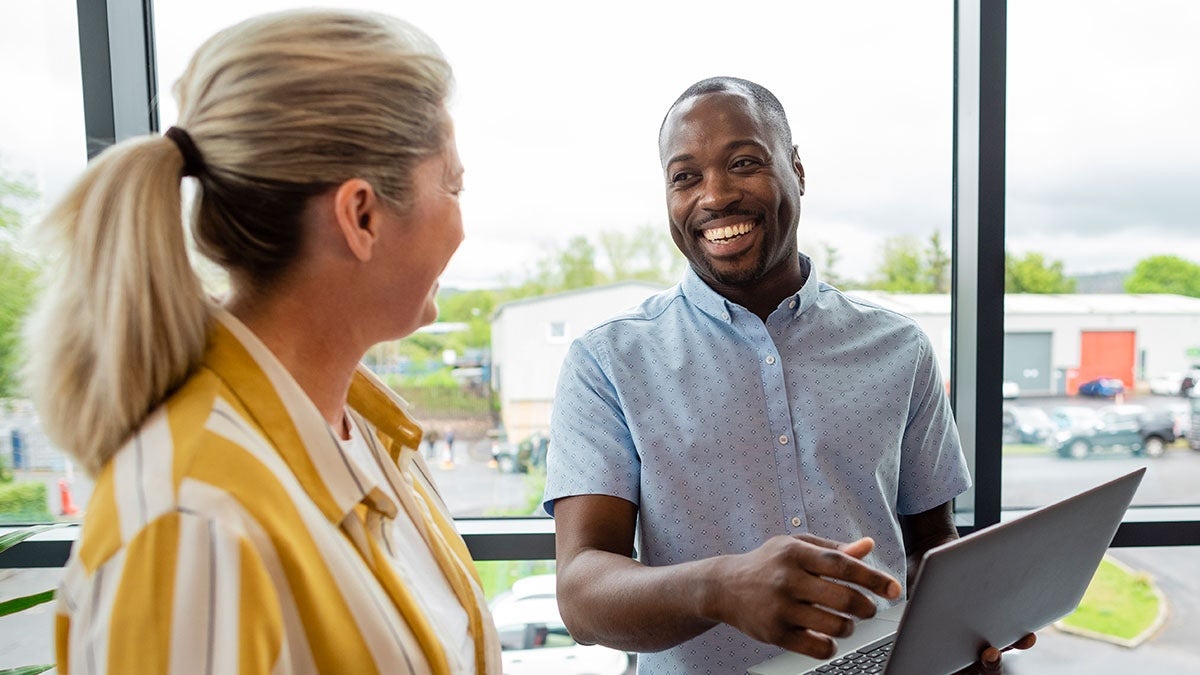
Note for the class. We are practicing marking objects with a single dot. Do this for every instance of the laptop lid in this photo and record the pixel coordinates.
(996, 585)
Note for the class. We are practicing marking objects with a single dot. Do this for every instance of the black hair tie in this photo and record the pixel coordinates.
(193, 161)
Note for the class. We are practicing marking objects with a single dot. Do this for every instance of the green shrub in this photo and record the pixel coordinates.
(6, 474)
(24, 502)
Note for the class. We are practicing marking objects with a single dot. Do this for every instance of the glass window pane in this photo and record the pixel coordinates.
(41, 151)
(1102, 312)
(556, 117)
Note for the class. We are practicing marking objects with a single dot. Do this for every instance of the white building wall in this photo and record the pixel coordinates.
(528, 348)
(1167, 330)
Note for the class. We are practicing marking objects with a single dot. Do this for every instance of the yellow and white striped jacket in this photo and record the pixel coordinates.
(230, 535)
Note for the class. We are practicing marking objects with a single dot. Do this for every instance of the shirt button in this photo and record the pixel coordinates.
(783, 440)
(770, 360)
(795, 521)
(792, 304)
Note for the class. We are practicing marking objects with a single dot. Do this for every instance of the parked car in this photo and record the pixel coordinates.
(528, 454)
(534, 640)
(1176, 383)
(1104, 387)
(1027, 425)
(1118, 428)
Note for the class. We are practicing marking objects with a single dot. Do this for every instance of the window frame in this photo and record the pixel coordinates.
(116, 40)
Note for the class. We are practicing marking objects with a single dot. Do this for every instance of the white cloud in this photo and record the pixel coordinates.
(558, 106)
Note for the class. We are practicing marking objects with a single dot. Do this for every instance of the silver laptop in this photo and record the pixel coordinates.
(991, 587)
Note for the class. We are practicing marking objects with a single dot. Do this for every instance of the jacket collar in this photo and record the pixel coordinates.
(295, 428)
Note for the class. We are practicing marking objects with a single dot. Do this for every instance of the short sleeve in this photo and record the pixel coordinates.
(932, 467)
(591, 449)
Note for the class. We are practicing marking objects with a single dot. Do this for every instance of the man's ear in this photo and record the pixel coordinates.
(798, 167)
(356, 209)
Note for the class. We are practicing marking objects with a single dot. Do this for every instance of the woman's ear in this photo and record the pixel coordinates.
(356, 210)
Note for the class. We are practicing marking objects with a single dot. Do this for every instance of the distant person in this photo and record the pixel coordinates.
(432, 438)
(757, 437)
(260, 505)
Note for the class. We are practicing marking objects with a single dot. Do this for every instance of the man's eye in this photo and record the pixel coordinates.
(744, 163)
(680, 177)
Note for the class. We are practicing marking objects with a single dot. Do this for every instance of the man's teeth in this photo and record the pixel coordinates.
(727, 232)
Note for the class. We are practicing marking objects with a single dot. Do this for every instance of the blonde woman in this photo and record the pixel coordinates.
(260, 505)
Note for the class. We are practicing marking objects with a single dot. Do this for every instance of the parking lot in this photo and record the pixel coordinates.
(1034, 474)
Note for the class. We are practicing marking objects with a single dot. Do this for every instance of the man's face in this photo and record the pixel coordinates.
(733, 189)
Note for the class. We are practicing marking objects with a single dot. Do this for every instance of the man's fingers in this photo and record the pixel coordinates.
(989, 660)
(804, 641)
(830, 559)
(1024, 643)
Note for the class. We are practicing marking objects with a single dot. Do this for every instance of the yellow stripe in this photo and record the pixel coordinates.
(260, 403)
(62, 634)
(187, 412)
(431, 645)
(101, 535)
(139, 638)
(454, 558)
(332, 632)
(261, 622)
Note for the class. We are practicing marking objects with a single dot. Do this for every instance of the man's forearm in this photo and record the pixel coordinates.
(615, 601)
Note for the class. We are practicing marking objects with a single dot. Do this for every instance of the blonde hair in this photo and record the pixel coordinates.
(280, 107)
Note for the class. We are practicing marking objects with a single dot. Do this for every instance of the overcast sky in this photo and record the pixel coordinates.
(558, 105)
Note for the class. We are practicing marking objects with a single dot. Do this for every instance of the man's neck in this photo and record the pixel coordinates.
(764, 296)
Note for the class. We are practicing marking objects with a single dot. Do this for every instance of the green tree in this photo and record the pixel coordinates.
(18, 282)
(473, 308)
(1165, 274)
(906, 267)
(646, 254)
(937, 265)
(1032, 273)
(901, 267)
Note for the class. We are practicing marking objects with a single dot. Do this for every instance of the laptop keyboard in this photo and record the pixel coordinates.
(870, 659)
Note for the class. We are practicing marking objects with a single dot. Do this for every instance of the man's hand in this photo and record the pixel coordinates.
(786, 593)
(989, 658)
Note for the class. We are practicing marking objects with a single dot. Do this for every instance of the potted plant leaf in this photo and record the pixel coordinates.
(7, 541)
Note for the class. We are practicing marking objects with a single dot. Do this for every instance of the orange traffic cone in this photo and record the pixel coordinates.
(64, 495)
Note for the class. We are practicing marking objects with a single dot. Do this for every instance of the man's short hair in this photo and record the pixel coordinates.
(762, 97)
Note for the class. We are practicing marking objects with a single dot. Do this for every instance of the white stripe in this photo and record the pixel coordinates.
(158, 457)
(386, 634)
(133, 466)
(228, 601)
(191, 618)
(296, 657)
(93, 620)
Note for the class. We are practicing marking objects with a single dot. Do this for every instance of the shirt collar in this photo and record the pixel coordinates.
(717, 306)
(291, 422)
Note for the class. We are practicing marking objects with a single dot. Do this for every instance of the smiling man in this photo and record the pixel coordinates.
(754, 435)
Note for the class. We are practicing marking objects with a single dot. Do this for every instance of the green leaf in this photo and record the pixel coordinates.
(25, 602)
(11, 539)
(27, 670)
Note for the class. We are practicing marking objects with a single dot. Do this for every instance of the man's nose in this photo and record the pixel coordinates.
(720, 192)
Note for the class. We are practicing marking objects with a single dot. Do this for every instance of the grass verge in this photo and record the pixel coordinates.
(1120, 603)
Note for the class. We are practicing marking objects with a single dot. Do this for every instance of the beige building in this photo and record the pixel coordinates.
(530, 338)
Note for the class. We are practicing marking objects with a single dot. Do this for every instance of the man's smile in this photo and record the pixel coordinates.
(726, 233)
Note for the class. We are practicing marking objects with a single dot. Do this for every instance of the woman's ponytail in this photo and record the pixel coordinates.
(123, 318)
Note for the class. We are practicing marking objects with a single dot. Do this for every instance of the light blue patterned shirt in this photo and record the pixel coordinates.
(830, 418)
